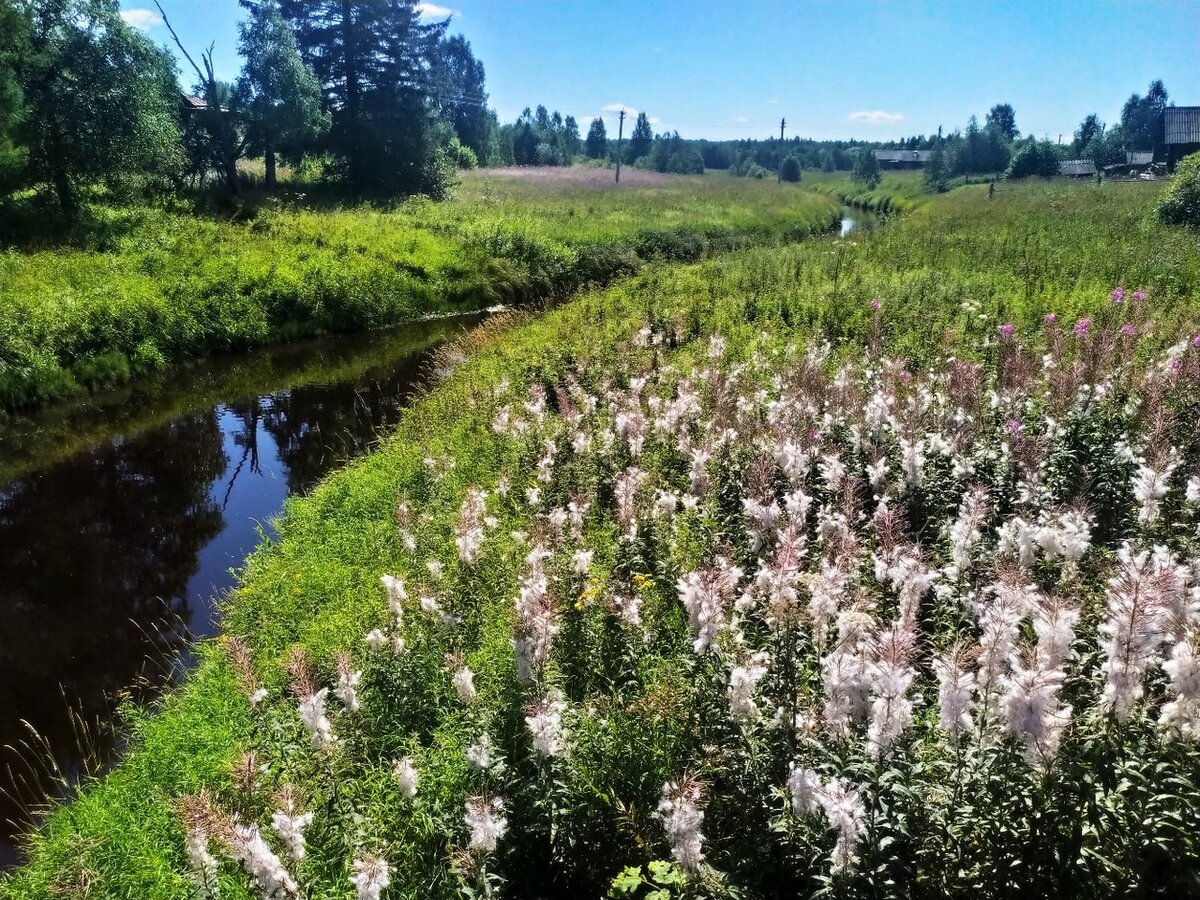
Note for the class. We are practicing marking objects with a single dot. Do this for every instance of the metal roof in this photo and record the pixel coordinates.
(1182, 124)
(903, 155)
(1077, 167)
(1139, 157)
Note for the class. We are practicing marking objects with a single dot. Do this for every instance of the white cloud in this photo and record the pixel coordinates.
(739, 120)
(875, 117)
(433, 11)
(142, 19)
(617, 107)
(653, 120)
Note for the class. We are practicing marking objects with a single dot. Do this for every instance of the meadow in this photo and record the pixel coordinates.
(860, 567)
(138, 289)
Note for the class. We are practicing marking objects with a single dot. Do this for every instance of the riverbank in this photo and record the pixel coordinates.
(947, 276)
(143, 289)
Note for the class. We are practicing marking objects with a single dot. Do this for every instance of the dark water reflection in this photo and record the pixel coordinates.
(121, 517)
(854, 219)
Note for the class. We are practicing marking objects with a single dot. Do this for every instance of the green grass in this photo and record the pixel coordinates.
(897, 192)
(948, 273)
(144, 288)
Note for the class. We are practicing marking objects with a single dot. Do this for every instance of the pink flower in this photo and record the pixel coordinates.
(1082, 327)
(1128, 330)
(1196, 342)
(1007, 330)
(1014, 427)
(905, 375)
(1117, 295)
(1050, 318)
(1139, 296)
(876, 304)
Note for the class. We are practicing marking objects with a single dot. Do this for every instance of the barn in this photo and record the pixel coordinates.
(1181, 127)
(902, 159)
(1077, 168)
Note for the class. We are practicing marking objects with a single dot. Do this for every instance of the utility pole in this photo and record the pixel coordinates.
(620, 129)
(779, 168)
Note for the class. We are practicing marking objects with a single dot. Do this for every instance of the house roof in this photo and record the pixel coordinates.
(1182, 124)
(1139, 157)
(191, 101)
(1077, 167)
(921, 156)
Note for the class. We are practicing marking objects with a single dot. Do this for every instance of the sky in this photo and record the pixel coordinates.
(851, 69)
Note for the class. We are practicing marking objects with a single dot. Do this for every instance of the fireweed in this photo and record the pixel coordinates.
(877, 616)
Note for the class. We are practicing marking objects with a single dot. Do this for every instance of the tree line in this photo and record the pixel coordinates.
(378, 100)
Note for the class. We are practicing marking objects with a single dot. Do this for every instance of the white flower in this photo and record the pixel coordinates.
(291, 831)
(955, 689)
(464, 683)
(406, 775)
(805, 788)
(371, 876)
(202, 863)
(260, 861)
(743, 680)
(581, 562)
(546, 728)
(704, 595)
(312, 714)
(479, 754)
(1133, 630)
(847, 814)
(1149, 488)
(347, 689)
(376, 639)
(487, 823)
(682, 817)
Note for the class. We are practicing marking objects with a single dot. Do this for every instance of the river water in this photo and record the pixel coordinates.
(122, 516)
(857, 220)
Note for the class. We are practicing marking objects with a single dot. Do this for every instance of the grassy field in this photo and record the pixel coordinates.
(143, 288)
(897, 192)
(1117, 810)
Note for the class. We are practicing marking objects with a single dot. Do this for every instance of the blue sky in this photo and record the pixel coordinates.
(873, 70)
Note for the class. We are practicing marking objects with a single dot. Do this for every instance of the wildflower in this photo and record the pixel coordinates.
(469, 528)
(1050, 318)
(406, 775)
(846, 814)
(260, 862)
(682, 817)
(956, 686)
(376, 639)
(1132, 632)
(581, 562)
(704, 595)
(1182, 712)
(487, 823)
(1030, 708)
(1128, 330)
(805, 787)
(312, 714)
(1117, 295)
(1069, 536)
(479, 754)
(876, 304)
(1013, 428)
(1007, 330)
(537, 623)
(891, 676)
(1149, 488)
(347, 686)
(1139, 296)
(626, 488)
(1082, 327)
(464, 684)
(545, 726)
(1192, 491)
(371, 876)
(1016, 536)
(743, 680)
(290, 829)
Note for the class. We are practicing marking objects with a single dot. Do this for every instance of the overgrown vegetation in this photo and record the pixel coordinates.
(629, 725)
(1180, 204)
(144, 287)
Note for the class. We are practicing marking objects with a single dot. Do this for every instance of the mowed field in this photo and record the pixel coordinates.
(856, 567)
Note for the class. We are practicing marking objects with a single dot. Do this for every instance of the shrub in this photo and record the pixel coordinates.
(1180, 204)
(789, 169)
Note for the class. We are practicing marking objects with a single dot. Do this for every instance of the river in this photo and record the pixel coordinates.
(123, 515)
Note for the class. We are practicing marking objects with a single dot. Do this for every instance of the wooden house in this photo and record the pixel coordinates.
(1077, 168)
(1181, 132)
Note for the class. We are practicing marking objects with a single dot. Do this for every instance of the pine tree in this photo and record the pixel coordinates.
(597, 140)
(641, 139)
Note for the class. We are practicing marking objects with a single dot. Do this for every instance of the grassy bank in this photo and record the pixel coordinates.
(640, 706)
(896, 192)
(142, 289)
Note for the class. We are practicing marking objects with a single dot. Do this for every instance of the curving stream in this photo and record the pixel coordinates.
(122, 516)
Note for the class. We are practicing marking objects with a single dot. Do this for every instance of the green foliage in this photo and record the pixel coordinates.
(1142, 118)
(866, 168)
(640, 139)
(1003, 119)
(937, 171)
(1034, 157)
(461, 96)
(789, 169)
(101, 101)
(597, 140)
(14, 48)
(1180, 203)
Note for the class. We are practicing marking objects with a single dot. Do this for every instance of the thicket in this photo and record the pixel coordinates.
(1180, 203)
(638, 741)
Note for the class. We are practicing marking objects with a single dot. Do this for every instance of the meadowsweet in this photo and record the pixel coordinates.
(682, 817)
(371, 875)
(743, 680)
(485, 819)
(312, 714)
(258, 859)
(407, 776)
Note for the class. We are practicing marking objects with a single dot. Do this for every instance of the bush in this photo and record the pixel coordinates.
(789, 169)
(1035, 158)
(1180, 204)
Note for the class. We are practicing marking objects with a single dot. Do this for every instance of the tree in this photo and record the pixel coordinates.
(1180, 204)
(596, 145)
(280, 96)
(1089, 129)
(14, 45)
(1033, 158)
(866, 168)
(460, 95)
(1002, 118)
(640, 139)
(937, 172)
(376, 65)
(789, 169)
(571, 140)
(1142, 118)
(101, 100)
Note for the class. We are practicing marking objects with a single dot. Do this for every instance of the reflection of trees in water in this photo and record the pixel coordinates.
(316, 427)
(95, 552)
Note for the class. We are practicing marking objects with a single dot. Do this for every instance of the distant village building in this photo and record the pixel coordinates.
(1181, 127)
(902, 159)
(1077, 168)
